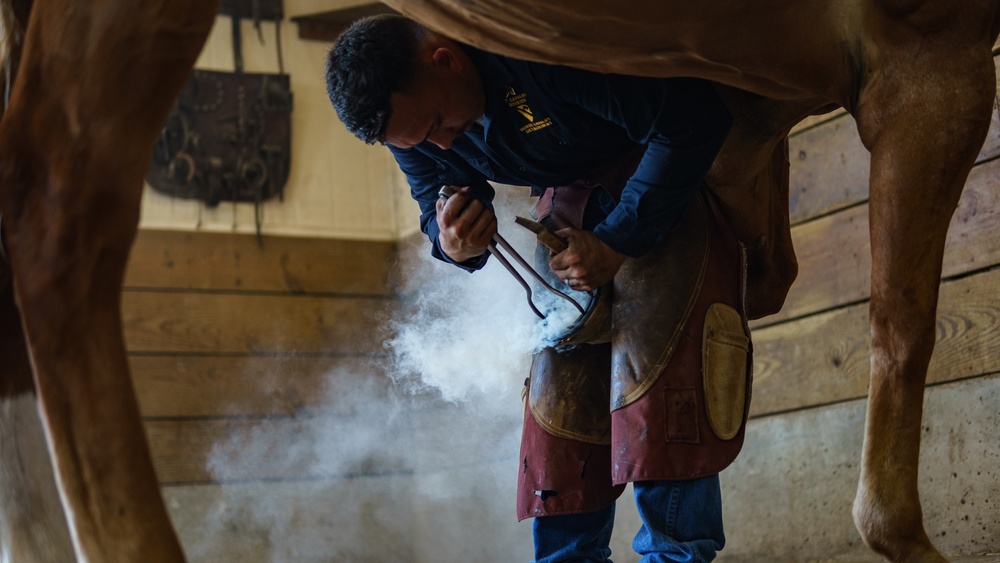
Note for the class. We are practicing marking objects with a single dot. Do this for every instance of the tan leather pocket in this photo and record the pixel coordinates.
(726, 349)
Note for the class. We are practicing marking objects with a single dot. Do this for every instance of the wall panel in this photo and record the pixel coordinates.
(226, 261)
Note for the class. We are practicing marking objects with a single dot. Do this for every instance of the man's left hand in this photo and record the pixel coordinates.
(588, 263)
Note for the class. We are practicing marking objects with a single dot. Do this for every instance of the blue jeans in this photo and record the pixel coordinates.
(681, 521)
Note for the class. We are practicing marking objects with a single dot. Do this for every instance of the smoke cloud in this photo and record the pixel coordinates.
(422, 470)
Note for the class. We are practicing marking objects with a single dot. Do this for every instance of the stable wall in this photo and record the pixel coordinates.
(241, 355)
(275, 429)
(338, 187)
(788, 497)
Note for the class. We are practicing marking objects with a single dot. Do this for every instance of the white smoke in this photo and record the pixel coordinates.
(470, 337)
(426, 463)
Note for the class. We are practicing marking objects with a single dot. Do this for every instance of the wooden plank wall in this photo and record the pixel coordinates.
(272, 358)
(829, 211)
(224, 335)
(789, 495)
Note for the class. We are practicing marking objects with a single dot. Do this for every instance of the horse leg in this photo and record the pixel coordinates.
(924, 125)
(96, 81)
(32, 524)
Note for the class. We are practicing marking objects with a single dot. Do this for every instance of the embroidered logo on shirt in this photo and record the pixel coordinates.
(519, 102)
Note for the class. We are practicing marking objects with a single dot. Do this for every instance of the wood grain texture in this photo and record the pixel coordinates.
(799, 473)
(834, 252)
(830, 166)
(205, 386)
(200, 260)
(824, 358)
(829, 169)
(157, 321)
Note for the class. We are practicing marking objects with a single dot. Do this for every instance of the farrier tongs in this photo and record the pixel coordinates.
(550, 239)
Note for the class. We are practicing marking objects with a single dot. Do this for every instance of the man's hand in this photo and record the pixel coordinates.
(466, 226)
(588, 263)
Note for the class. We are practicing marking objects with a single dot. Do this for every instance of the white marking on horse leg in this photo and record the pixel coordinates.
(32, 525)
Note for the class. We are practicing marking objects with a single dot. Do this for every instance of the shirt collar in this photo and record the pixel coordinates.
(494, 75)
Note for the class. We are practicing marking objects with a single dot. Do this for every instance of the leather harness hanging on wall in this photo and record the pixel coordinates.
(228, 137)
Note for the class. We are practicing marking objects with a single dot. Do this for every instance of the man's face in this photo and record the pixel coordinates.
(446, 102)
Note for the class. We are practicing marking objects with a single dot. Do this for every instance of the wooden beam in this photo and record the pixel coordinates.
(327, 26)
(211, 323)
(825, 358)
(235, 262)
(178, 386)
(834, 252)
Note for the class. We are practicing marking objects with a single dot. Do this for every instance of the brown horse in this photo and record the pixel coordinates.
(96, 79)
(94, 83)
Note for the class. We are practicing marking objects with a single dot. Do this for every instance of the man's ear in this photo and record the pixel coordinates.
(445, 58)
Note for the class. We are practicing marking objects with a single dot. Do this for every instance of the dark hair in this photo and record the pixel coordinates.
(375, 57)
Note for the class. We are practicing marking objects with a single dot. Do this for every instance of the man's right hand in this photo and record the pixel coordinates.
(466, 226)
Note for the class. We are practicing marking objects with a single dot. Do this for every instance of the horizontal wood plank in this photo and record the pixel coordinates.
(203, 451)
(327, 26)
(180, 386)
(798, 473)
(829, 169)
(991, 147)
(834, 252)
(156, 321)
(357, 520)
(200, 260)
(830, 166)
(824, 358)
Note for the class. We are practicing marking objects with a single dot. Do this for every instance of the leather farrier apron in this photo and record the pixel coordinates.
(668, 397)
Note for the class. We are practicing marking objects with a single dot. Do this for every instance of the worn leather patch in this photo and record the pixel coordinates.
(726, 348)
(568, 393)
(653, 298)
(681, 408)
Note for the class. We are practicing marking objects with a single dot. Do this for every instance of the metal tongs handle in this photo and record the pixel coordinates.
(445, 193)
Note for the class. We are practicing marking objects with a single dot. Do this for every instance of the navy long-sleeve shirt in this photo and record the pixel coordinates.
(547, 125)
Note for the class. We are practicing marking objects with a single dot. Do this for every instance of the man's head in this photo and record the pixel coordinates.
(393, 81)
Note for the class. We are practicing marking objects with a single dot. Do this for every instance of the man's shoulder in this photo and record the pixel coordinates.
(495, 68)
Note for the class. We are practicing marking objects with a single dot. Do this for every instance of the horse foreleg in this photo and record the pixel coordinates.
(32, 525)
(921, 156)
(68, 258)
(96, 81)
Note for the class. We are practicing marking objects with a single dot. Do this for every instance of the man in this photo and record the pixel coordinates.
(455, 115)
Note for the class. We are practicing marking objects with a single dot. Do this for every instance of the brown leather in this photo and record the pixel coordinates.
(561, 207)
(669, 423)
(228, 138)
(653, 296)
(569, 392)
(561, 476)
(667, 433)
(594, 326)
(725, 348)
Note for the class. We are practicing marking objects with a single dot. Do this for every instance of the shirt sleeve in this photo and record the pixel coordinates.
(426, 175)
(682, 122)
